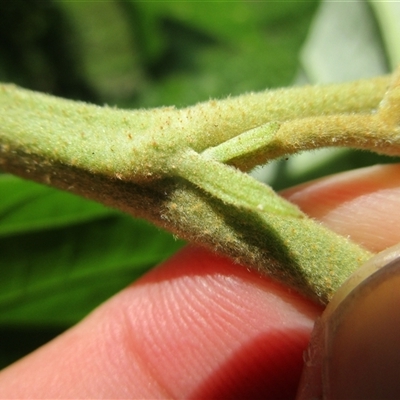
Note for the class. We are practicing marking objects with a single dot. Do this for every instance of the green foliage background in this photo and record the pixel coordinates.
(60, 255)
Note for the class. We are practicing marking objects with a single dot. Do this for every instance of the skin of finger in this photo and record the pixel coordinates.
(196, 327)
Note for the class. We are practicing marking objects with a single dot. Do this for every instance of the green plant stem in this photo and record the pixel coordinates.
(169, 166)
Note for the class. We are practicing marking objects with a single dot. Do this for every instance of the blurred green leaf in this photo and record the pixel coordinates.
(38, 49)
(105, 48)
(196, 50)
(55, 277)
(27, 206)
(345, 31)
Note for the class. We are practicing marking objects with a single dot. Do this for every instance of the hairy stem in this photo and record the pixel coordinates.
(169, 166)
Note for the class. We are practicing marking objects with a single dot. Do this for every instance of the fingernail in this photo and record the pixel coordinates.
(354, 351)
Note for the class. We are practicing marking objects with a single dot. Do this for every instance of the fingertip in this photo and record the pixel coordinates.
(363, 352)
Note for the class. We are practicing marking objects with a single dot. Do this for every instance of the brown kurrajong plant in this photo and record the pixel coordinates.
(185, 169)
